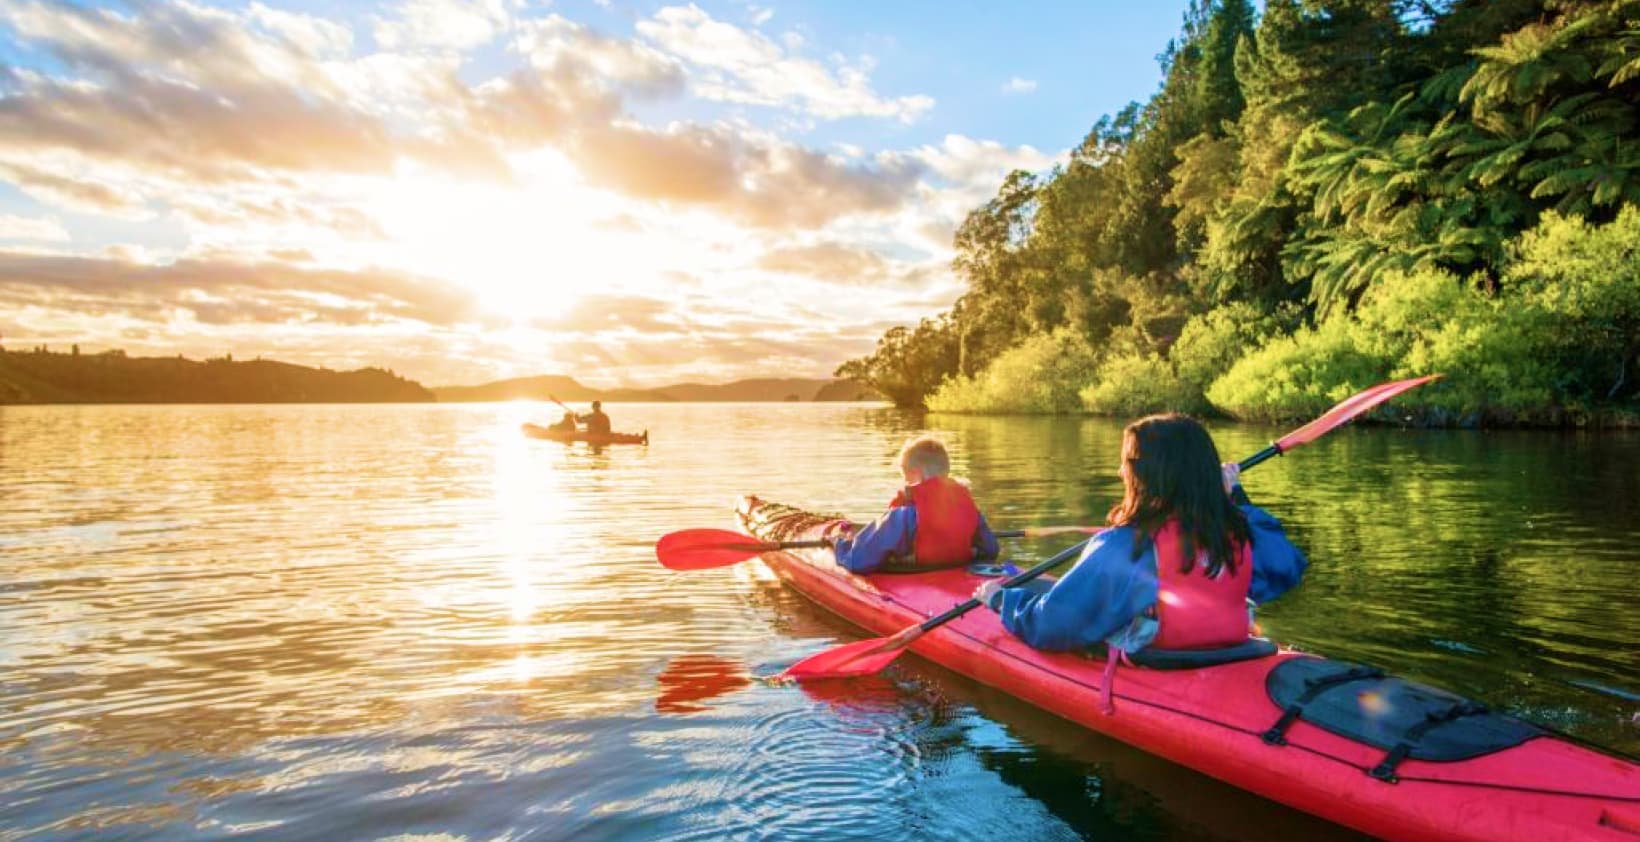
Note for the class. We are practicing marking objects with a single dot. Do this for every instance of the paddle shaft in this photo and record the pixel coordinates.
(818, 543)
(800, 545)
(962, 608)
(1273, 450)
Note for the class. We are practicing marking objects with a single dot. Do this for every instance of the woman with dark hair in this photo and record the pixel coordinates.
(1185, 555)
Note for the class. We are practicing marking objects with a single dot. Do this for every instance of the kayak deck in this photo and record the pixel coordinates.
(1212, 719)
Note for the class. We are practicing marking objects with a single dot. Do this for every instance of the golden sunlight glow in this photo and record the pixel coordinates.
(530, 248)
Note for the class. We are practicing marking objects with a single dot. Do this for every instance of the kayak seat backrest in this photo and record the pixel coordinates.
(1186, 659)
(1407, 720)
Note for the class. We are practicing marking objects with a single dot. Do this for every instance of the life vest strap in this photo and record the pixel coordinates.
(1114, 656)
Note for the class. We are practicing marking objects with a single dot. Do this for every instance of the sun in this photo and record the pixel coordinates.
(528, 248)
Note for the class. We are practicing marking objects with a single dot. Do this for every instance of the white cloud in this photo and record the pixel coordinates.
(554, 44)
(760, 14)
(46, 229)
(970, 163)
(315, 36)
(735, 65)
(443, 24)
(1016, 85)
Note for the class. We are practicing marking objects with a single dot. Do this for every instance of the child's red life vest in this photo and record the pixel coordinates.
(1192, 610)
(946, 520)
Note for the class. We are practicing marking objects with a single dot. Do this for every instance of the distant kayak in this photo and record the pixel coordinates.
(1343, 741)
(536, 431)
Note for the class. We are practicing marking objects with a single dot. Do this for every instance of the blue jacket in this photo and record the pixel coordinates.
(895, 534)
(1100, 599)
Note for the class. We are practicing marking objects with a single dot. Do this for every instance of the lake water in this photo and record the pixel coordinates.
(337, 622)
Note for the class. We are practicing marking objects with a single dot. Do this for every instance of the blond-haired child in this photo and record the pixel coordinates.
(932, 523)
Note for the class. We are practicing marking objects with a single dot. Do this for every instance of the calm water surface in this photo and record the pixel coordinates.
(411, 622)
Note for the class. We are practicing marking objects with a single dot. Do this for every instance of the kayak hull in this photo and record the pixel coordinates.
(536, 431)
(1210, 719)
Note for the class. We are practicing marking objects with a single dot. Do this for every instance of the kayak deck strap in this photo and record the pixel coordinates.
(1313, 686)
(1385, 770)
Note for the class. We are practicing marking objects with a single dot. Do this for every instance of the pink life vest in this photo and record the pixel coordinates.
(946, 521)
(1192, 610)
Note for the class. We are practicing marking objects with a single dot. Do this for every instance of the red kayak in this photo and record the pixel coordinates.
(1341, 741)
(536, 431)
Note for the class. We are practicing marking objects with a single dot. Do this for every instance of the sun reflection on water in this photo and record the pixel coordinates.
(529, 504)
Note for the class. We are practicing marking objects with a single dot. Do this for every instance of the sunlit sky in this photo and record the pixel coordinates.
(628, 193)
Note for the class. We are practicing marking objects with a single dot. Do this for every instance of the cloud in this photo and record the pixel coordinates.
(267, 292)
(75, 194)
(968, 162)
(604, 312)
(1016, 85)
(736, 65)
(758, 181)
(312, 35)
(181, 91)
(442, 24)
(264, 213)
(32, 228)
(565, 50)
(827, 261)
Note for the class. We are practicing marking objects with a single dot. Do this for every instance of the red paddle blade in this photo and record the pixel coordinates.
(698, 549)
(862, 657)
(1349, 408)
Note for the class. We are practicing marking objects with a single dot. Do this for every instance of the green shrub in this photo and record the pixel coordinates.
(1043, 374)
(1491, 349)
(1212, 341)
(1585, 279)
(1129, 384)
(1298, 376)
(1494, 366)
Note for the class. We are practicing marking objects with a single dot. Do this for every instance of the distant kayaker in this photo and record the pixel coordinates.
(1185, 552)
(596, 420)
(933, 521)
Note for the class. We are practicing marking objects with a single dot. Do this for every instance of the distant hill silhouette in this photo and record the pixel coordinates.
(41, 376)
(758, 389)
(549, 386)
(542, 388)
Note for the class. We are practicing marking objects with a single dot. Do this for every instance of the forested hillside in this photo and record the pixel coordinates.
(43, 376)
(1327, 195)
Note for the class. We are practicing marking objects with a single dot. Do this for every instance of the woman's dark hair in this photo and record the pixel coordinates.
(1173, 471)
